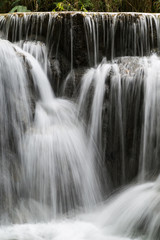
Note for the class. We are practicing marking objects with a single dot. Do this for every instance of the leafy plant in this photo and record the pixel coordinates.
(80, 5)
(86, 5)
(113, 5)
(19, 9)
(64, 6)
(156, 5)
(71, 5)
(16, 3)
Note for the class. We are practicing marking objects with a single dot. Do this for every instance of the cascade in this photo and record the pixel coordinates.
(150, 140)
(79, 126)
(39, 51)
(51, 149)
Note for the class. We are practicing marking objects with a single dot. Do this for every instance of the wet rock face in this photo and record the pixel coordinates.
(123, 121)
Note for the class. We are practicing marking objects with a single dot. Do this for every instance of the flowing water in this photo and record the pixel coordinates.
(84, 167)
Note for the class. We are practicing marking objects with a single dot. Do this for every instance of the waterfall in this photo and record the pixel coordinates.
(132, 115)
(150, 139)
(15, 117)
(79, 126)
(39, 51)
(56, 168)
(119, 34)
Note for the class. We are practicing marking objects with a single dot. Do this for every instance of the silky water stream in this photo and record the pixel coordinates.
(52, 179)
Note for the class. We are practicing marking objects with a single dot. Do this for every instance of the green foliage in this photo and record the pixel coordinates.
(3, 5)
(63, 6)
(156, 6)
(19, 9)
(113, 5)
(80, 5)
(86, 5)
(16, 3)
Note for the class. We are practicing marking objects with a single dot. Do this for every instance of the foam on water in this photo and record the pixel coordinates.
(70, 229)
(131, 214)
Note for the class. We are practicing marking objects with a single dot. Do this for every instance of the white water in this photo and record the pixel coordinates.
(133, 214)
(57, 166)
(151, 130)
(15, 113)
(126, 81)
(50, 170)
(39, 51)
(121, 34)
(95, 80)
(57, 173)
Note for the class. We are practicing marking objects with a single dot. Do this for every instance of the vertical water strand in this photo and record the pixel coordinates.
(14, 26)
(37, 27)
(143, 154)
(88, 34)
(150, 33)
(94, 40)
(143, 30)
(86, 83)
(95, 129)
(128, 22)
(51, 42)
(41, 24)
(113, 29)
(97, 20)
(33, 23)
(154, 31)
(122, 37)
(28, 23)
(138, 94)
(22, 27)
(134, 39)
(15, 117)
(50, 29)
(151, 21)
(157, 22)
(107, 32)
(71, 34)
(150, 153)
(2, 22)
(118, 92)
(91, 28)
(15, 21)
(7, 26)
(147, 36)
(71, 75)
(122, 125)
(90, 106)
(104, 30)
(58, 40)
